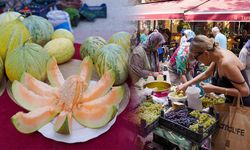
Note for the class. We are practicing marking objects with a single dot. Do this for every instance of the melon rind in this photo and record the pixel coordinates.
(63, 123)
(28, 99)
(55, 76)
(34, 120)
(96, 117)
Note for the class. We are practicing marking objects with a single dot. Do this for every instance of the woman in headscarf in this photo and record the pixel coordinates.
(143, 60)
(180, 67)
(244, 57)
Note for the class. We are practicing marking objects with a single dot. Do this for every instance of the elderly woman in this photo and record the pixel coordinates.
(180, 68)
(228, 73)
(244, 57)
(143, 60)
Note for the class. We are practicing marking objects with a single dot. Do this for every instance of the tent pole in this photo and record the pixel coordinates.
(171, 23)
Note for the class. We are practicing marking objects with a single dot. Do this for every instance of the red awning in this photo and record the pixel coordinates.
(164, 10)
(220, 10)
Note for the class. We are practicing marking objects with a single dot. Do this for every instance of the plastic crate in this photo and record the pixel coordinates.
(93, 12)
(196, 137)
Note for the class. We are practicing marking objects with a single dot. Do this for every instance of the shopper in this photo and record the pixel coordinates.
(244, 57)
(219, 37)
(135, 39)
(243, 38)
(143, 59)
(144, 35)
(228, 73)
(180, 67)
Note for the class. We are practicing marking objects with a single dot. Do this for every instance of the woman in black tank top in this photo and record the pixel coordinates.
(227, 72)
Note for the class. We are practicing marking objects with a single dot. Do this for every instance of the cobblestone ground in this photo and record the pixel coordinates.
(117, 20)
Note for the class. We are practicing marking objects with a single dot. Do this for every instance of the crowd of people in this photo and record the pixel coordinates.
(229, 74)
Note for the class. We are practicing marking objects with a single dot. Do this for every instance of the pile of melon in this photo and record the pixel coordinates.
(66, 99)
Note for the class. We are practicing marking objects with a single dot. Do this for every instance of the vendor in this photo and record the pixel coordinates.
(180, 67)
(143, 60)
(228, 73)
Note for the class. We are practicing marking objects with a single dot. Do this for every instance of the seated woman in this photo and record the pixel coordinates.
(229, 75)
(180, 67)
(143, 60)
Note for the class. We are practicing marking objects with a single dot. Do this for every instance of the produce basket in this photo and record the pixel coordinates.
(196, 137)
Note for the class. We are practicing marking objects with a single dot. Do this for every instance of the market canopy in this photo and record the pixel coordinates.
(220, 10)
(164, 10)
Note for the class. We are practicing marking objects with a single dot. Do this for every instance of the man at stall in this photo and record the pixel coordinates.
(228, 73)
(143, 60)
(219, 37)
(244, 57)
(180, 68)
(242, 38)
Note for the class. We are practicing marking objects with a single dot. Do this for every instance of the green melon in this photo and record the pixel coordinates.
(91, 46)
(30, 58)
(122, 39)
(114, 57)
(63, 33)
(8, 16)
(62, 49)
(12, 35)
(40, 29)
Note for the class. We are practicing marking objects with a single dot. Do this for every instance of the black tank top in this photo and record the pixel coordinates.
(225, 82)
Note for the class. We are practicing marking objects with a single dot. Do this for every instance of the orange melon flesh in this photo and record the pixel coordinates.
(37, 86)
(95, 117)
(28, 99)
(102, 87)
(54, 74)
(113, 97)
(63, 123)
(34, 120)
(86, 69)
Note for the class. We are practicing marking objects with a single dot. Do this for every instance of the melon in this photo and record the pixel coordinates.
(63, 123)
(102, 87)
(63, 33)
(38, 86)
(30, 58)
(34, 120)
(28, 99)
(8, 16)
(64, 98)
(95, 117)
(1, 69)
(41, 29)
(122, 39)
(62, 49)
(114, 57)
(12, 35)
(91, 46)
(55, 76)
(86, 69)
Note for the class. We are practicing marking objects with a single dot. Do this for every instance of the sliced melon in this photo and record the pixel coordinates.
(113, 97)
(28, 99)
(102, 87)
(54, 74)
(63, 123)
(95, 117)
(37, 86)
(86, 69)
(34, 120)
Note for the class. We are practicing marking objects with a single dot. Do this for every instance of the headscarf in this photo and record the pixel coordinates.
(153, 40)
(247, 46)
(190, 35)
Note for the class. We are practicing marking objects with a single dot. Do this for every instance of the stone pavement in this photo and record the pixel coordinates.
(117, 20)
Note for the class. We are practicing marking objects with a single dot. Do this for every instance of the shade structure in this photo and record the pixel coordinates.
(164, 10)
(220, 10)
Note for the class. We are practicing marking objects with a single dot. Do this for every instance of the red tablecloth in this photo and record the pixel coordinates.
(120, 136)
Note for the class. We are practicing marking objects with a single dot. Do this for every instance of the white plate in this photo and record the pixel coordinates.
(79, 132)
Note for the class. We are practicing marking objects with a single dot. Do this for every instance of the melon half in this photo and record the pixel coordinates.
(66, 99)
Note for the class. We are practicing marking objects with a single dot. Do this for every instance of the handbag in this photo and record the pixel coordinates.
(234, 131)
